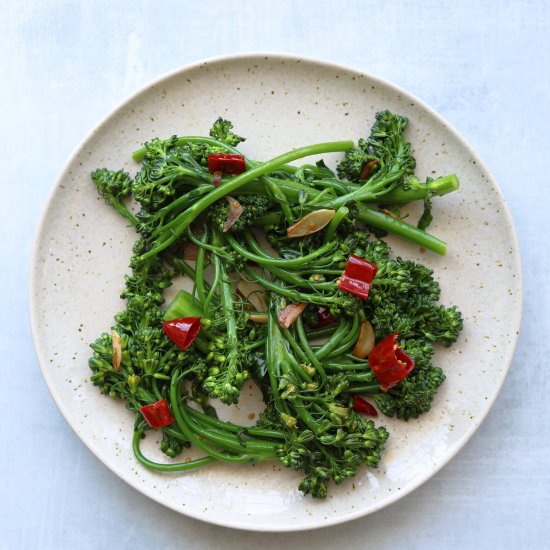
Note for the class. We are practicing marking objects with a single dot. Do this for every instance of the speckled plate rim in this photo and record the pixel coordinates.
(255, 57)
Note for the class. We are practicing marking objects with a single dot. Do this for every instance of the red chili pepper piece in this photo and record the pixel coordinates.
(360, 269)
(389, 363)
(358, 276)
(226, 163)
(367, 169)
(157, 414)
(324, 317)
(362, 406)
(182, 331)
(217, 178)
(353, 286)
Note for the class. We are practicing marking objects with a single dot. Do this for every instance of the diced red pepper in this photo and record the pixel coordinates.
(367, 169)
(389, 363)
(324, 317)
(227, 163)
(182, 331)
(157, 414)
(361, 269)
(362, 406)
(357, 277)
(217, 178)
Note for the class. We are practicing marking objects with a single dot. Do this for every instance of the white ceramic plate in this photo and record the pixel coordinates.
(279, 102)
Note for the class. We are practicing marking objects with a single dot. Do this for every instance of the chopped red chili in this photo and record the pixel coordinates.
(182, 331)
(157, 414)
(389, 363)
(324, 317)
(217, 178)
(362, 406)
(227, 163)
(358, 276)
(367, 169)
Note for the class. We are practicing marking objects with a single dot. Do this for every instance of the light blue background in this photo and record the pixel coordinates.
(483, 65)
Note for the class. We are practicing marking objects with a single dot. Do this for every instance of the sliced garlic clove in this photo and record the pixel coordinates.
(117, 349)
(365, 342)
(311, 223)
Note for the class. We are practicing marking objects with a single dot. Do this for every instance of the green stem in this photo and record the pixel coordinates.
(436, 188)
(214, 287)
(232, 443)
(226, 301)
(378, 219)
(265, 259)
(274, 354)
(199, 272)
(184, 424)
(234, 428)
(325, 332)
(372, 191)
(178, 467)
(370, 389)
(279, 197)
(341, 213)
(293, 295)
(333, 341)
(309, 352)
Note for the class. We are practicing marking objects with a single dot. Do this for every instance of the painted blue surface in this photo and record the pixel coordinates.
(485, 66)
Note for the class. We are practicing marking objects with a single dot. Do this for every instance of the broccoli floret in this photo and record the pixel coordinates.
(387, 141)
(114, 187)
(200, 151)
(253, 206)
(404, 298)
(222, 131)
(386, 145)
(161, 177)
(172, 446)
(414, 395)
(354, 160)
(158, 149)
(443, 325)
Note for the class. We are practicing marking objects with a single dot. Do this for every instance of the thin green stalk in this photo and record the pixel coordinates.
(266, 260)
(341, 367)
(280, 198)
(214, 287)
(298, 351)
(201, 244)
(373, 190)
(199, 271)
(366, 388)
(274, 351)
(226, 301)
(348, 341)
(234, 428)
(341, 213)
(309, 352)
(376, 218)
(184, 425)
(325, 332)
(436, 188)
(159, 467)
(232, 443)
(333, 341)
(293, 295)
